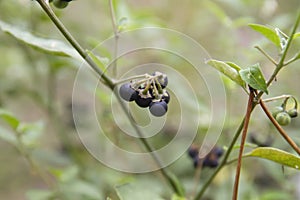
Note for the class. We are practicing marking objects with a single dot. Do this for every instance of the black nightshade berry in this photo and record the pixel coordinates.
(127, 92)
(193, 151)
(212, 163)
(166, 97)
(158, 108)
(143, 102)
(60, 3)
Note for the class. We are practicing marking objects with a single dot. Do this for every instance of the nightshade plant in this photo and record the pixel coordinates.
(150, 90)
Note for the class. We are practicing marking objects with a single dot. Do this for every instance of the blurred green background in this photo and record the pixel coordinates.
(37, 88)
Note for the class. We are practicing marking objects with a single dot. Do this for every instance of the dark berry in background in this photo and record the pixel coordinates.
(193, 151)
(127, 92)
(158, 108)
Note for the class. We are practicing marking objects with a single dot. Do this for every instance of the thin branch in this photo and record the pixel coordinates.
(266, 54)
(284, 96)
(279, 128)
(244, 134)
(296, 57)
(116, 36)
(222, 164)
(110, 83)
(281, 61)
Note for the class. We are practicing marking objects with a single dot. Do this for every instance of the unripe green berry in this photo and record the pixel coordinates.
(276, 110)
(293, 112)
(60, 4)
(283, 118)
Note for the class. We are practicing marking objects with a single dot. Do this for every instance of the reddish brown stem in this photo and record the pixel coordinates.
(279, 128)
(244, 134)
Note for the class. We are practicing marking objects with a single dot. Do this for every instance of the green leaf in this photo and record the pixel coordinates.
(276, 155)
(269, 33)
(234, 66)
(50, 46)
(129, 191)
(100, 61)
(282, 37)
(9, 118)
(254, 77)
(228, 69)
(296, 35)
(30, 132)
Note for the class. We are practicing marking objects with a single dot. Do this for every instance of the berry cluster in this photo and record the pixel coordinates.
(211, 160)
(149, 92)
(283, 116)
(60, 3)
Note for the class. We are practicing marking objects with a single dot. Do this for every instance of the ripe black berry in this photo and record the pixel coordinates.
(143, 101)
(166, 97)
(218, 151)
(158, 108)
(212, 163)
(193, 151)
(127, 92)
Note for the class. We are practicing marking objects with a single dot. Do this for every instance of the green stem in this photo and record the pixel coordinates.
(238, 132)
(266, 54)
(116, 36)
(74, 43)
(283, 56)
(111, 84)
(223, 163)
(284, 96)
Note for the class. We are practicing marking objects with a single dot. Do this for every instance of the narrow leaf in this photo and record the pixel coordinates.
(50, 46)
(276, 155)
(254, 77)
(282, 37)
(269, 33)
(9, 118)
(296, 35)
(100, 61)
(228, 69)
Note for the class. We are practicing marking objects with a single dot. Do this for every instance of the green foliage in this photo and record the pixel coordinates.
(254, 77)
(49, 46)
(229, 69)
(276, 155)
(269, 33)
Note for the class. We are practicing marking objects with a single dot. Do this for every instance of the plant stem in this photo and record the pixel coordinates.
(222, 164)
(116, 36)
(282, 58)
(244, 134)
(284, 96)
(111, 84)
(266, 54)
(238, 131)
(279, 128)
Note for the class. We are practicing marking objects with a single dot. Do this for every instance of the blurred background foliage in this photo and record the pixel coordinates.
(37, 88)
